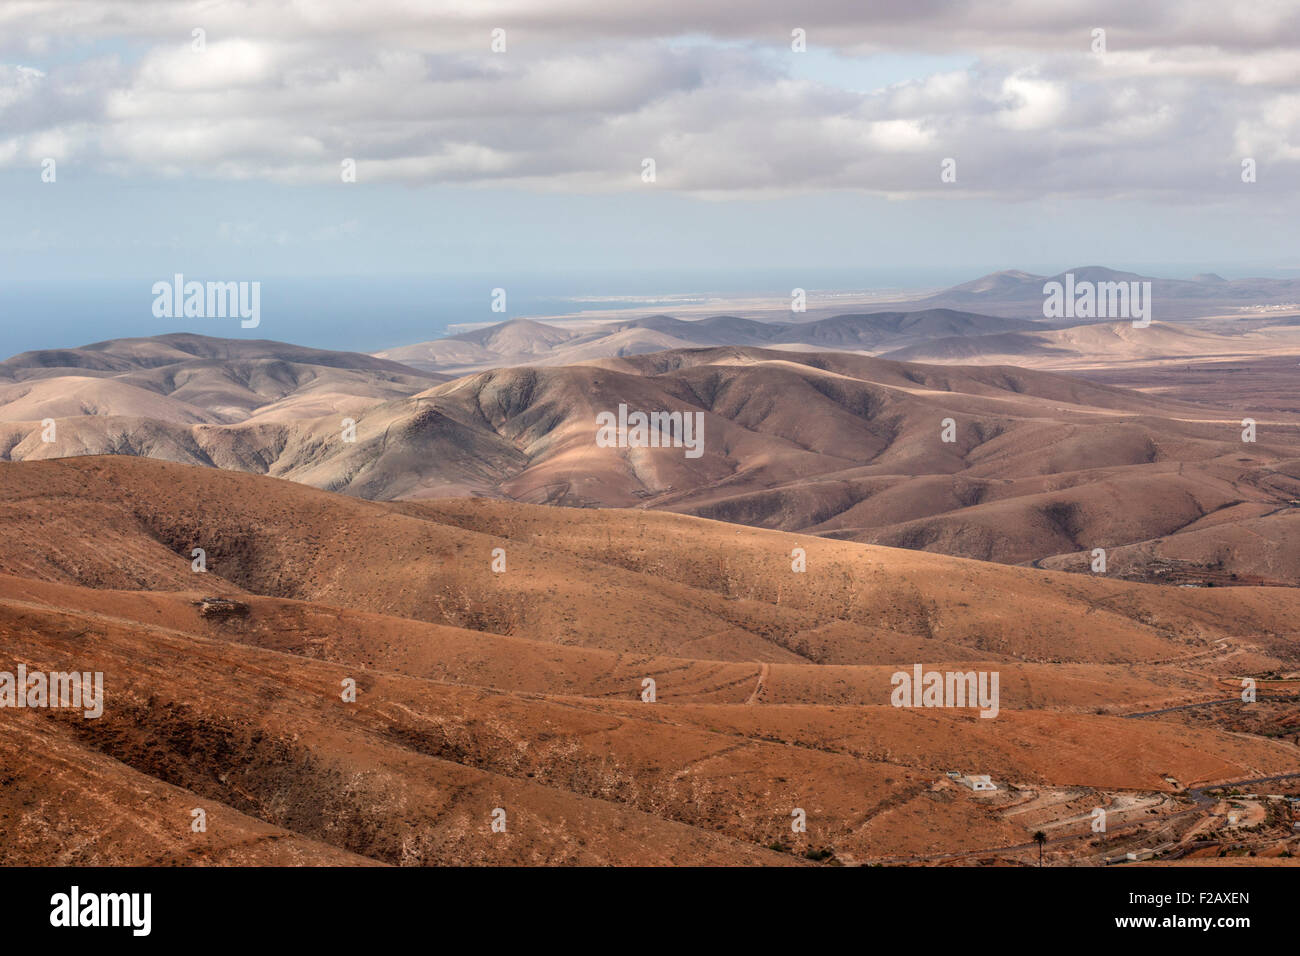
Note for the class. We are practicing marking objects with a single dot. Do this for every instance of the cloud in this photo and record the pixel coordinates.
(451, 25)
(285, 91)
(1031, 103)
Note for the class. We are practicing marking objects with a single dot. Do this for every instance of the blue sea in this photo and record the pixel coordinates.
(371, 313)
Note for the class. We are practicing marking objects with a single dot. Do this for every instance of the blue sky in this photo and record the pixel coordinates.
(109, 227)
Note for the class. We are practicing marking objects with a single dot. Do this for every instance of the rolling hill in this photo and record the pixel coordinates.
(189, 379)
(1041, 466)
(527, 342)
(519, 689)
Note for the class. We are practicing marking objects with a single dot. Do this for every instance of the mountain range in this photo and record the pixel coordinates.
(419, 608)
(1041, 467)
(997, 316)
(527, 342)
(1017, 293)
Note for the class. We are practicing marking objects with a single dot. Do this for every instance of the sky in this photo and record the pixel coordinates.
(793, 144)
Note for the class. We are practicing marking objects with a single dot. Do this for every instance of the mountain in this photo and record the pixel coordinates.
(1101, 343)
(1041, 466)
(517, 336)
(515, 693)
(1010, 301)
(524, 342)
(195, 379)
(881, 330)
(1020, 294)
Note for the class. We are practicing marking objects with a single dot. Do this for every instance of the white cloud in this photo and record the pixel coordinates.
(18, 83)
(285, 90)
(1031, 103)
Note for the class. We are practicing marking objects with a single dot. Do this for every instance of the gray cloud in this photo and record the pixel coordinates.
(285, 91)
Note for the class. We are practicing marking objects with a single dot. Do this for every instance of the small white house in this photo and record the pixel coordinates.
(979, 782)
